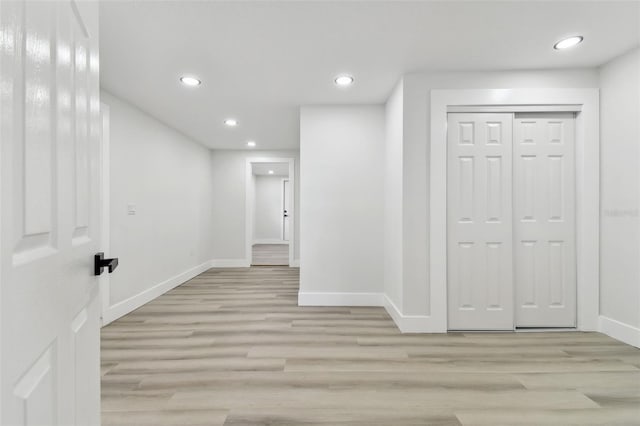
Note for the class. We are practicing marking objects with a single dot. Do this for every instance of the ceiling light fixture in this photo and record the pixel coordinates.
(568, 42)
(251, 144)
(231, 122)
(190, 81)
(271, 172)
(343, 80)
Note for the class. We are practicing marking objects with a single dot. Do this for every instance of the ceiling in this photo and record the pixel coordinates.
(259, 61)
(262, 169)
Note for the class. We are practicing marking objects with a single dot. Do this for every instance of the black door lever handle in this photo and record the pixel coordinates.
(100, 263)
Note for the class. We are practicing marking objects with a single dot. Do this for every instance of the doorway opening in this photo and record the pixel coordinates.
(269, 227)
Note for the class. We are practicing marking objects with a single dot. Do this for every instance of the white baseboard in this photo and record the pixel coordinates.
(295, 263)
(270, 241)
(619, 330)
(230, 263)
(134, 302)
(406, 323)
(340, 299)
(412, 323)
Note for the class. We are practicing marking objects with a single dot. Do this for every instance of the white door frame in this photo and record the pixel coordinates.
(587, 187)
(250, 201)
(105, 214)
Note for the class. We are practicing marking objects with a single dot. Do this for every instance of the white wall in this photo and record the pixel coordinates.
(416, 130)
(620, 193)
(229, 194)
(167, 176)
(393, 254)
(268, 209)
(342, 209)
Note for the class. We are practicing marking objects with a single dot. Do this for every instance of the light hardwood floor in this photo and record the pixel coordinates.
(231, 347)
(270, 255)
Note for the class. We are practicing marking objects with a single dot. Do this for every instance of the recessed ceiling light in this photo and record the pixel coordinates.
(251, 144)
(568, 42)
(343, 80)
(190, 81)
(231, 122)
(271, 172)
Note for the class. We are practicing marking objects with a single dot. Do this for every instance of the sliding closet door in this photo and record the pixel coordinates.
(480, 282)
(544, 220)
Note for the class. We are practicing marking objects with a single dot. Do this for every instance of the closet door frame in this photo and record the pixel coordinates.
(585, 103)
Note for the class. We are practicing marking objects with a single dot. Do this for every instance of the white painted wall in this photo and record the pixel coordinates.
(393, 254)
(342, 209)
(415, 155)
(167, 176)
(620, 191)
(229, 194)
(268, 208)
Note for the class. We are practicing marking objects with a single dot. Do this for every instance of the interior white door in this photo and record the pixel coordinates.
(285, 209)
(479, 222)
(50, 132)
(544, 225)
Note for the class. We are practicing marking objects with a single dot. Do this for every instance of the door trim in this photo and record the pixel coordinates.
(514, 108)
(587, 190)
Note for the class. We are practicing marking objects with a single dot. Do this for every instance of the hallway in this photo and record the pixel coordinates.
(270, 255)
(231, 347)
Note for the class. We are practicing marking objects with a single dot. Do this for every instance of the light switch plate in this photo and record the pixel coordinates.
(131, 209)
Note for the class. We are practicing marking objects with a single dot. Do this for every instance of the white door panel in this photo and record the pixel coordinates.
(480, 284)
(544, 220)
(50, 132)
(286, 211)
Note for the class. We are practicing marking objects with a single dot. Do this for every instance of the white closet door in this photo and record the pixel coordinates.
(480, 282)
(544, 225)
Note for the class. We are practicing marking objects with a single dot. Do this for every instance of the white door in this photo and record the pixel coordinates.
(50, 133)
(544, 225)
(480, 283)
(285, 209)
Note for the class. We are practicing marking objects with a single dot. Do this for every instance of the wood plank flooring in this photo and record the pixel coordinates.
(231, 347)
(270, 255)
